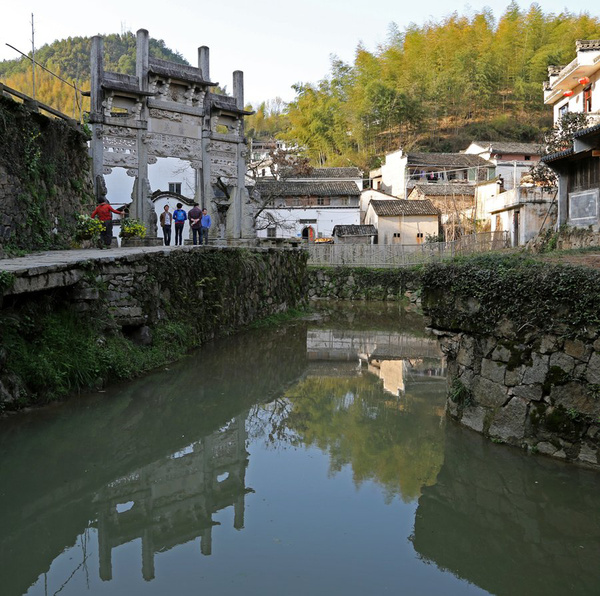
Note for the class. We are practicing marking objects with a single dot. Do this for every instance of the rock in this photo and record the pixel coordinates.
(528, 392)
(546, 448)
(588, 454)
(488, 393)
(536, 373)
(577, 349)
(563, 361)
(593, 369)
(493, 370)
(474, 417)
(501, 354)
(509, 422)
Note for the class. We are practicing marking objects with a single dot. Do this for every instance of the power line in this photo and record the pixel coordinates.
(44, 68)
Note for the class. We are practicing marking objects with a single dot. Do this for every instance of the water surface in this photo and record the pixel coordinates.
(314, 458)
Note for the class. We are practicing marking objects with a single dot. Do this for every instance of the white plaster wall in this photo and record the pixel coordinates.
(366, 196)
(326, 220)
(575, 102)
(408, 226)
(393, 174)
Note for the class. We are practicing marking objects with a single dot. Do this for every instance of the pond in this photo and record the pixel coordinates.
(311, 458)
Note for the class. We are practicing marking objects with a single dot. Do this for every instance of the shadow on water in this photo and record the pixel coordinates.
(509, 523)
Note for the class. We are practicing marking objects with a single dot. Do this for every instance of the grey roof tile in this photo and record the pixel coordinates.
(398, 207)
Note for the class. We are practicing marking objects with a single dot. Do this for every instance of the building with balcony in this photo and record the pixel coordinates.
(575, 87)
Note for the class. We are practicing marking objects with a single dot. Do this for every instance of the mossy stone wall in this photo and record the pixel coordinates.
(117, 317)
(45, 179)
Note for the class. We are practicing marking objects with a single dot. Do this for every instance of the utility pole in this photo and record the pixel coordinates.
(33, 57)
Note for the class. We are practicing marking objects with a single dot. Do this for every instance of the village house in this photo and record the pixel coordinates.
(513, 160)
(402, 171)
(354, 234)
(576, 88)
(456, 204)
(403, 222)
(309, 206)
(578, 169)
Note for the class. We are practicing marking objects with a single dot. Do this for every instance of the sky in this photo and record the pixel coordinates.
(275, 44)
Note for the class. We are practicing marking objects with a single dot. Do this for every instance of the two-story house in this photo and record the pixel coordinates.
(309, 206)
(576, 88)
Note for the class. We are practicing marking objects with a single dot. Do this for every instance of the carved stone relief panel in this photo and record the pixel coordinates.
(223, 161)
(119, 147)
(165, 145)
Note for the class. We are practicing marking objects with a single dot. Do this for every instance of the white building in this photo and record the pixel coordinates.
(403, 222)
(513, 160)
(402, 171)
(309, 207)
(576, 87)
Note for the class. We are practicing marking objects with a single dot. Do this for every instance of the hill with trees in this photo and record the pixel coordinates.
(436, 87)
(70, 59)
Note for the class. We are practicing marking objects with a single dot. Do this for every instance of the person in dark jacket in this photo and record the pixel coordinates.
(195, 216)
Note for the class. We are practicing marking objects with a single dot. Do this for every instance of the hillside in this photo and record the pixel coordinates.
(436, 87)
(70, 58)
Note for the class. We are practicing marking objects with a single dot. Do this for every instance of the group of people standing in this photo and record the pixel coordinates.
(200, 223)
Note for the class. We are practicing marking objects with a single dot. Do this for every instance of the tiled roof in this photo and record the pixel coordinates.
(354, 230)
(447, 160)
(511, 147)
(326, 173)
(290, 188)
(445, 190)
(587, 44)
(403, 207)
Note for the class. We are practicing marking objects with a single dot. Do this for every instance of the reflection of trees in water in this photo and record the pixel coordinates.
(396, 443)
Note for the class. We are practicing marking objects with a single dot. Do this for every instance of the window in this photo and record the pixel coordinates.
(419, 237)
(320, 201)
(396, 234)
(271, 232)
(527, 158)
(307, 221)
(587, 99)
(563, 110)
(175, 187)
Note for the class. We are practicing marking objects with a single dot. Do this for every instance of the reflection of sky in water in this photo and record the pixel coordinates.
(299, 470)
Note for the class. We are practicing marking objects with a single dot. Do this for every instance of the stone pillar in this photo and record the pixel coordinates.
(235, 211)
(204, 62)
(96, 144)
(143, 209)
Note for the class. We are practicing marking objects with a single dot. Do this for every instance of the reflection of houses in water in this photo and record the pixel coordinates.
(394, 357)
(172, 500)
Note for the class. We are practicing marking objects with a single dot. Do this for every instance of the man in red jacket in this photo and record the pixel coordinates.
(103, 211)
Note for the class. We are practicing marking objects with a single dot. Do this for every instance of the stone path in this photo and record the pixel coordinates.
(53, 260)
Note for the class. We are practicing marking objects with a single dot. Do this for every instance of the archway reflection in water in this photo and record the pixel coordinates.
(313, 458)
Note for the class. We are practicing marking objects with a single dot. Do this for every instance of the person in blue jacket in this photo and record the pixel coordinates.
(179, 217)
(205, 222)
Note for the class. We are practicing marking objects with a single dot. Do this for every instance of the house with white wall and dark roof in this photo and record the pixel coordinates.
(309, 206)
(403, 222)
(576, 88)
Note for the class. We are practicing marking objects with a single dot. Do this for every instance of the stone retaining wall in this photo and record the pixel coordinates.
(523, 346)
(203, 292)
(45, 179)
(354, 283)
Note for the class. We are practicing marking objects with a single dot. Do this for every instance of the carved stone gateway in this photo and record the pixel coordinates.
(168, 110)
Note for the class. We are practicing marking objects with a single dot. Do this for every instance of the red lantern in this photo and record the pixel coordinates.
(568, 93)
(584, 80)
